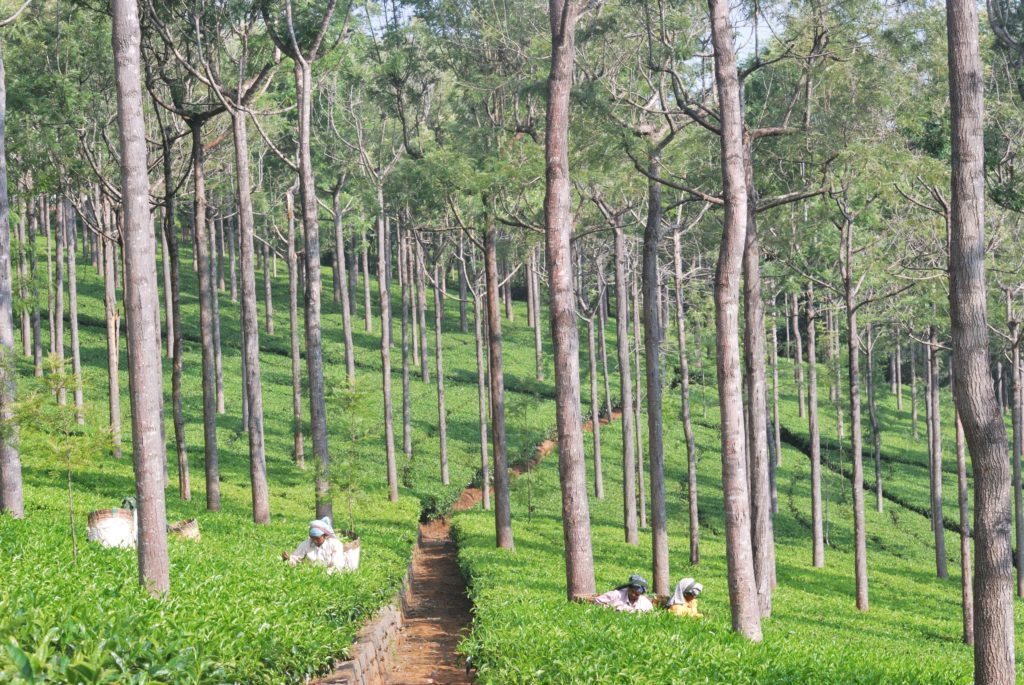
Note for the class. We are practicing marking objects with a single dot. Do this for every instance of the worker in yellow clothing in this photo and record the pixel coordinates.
(684, 600)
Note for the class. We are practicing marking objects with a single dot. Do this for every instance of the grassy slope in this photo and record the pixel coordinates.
(236, 613)
(910, 635)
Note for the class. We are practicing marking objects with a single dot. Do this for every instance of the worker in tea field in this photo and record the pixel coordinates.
(684, 600)
(321, 548)
(631, 597)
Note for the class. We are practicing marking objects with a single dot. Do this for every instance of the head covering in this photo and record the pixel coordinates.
(320, 527)
(686, 585)
(638, 583)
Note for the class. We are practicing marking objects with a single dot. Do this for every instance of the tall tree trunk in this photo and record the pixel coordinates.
(482, 396)
(983, 425)
(652, 354)
(12, 499)
(595, 409)
(876, 438)
(113, 352)
(23, 304)
(743, 600)
(385, 343)
(817, 514)
(757, 437)
(406, 285)
(174, 333)
(936, 456)
(268, 291)
(538, 347)
(638, 406)
(206, 321)
(141, 305)
(463, 324)
(406, 269)
(340, 270)
(798, 360)
(47, 226)
(58, 295)
(314, 353)
(442, 412)
(629, 514)
(419, 272)
(966, 584)
(37, 322)
(76, 354)
(684, 384)
(1018, 443)
(298, 449)
(899, 377)
(913, 390)
(558, 228)
(219, 238)
(367, 306)
(232, 251)
(856, 446)
(602, 325)
(165, 263)
(251, 325)
(215, 300)
(502, 501)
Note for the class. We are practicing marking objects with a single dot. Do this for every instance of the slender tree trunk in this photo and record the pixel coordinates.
(876, 438)
(406, 284)
(558, 224)
(899, 377)
(1000, 388)
(250, 324)
(798, 360)
(47, 228)
(463, 324)
(406, 270)
(638, 406)
(219, 239)
(232, 251)
(652, 354)
(502, 502)
(385, 343)
(113, 353)
(602, 325)
(754, 354)
(538, 347)
(23, 304)
(314, 353)
(530, 294)
(983, 425)
(340, 270)
(1017, 442)
(419, 272)
(913, 390)
(857, 482)
(482, 395)
(58, 295)
(168, 290)
(12, 498)
(76, 354)
(936, 460)
(442, 412)
(268, 292)
(966, 584)
(206, 322)
(37, 323)
(298, 449)
(684, 384)
(367, 306)
(215, 300)
(141, 305)
(743, 600)
(625, 389)
(595, 410)
(817, 514)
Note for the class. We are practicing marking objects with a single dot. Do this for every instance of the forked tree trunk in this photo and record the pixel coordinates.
(936, 456)
(252, 378)
(983, 425)
(684, 385)
(206, 322)
(298, 448)
(746, 615)
(558, 228)
(12, 498)
(817, 513)
(141, 305)
(502, 501)
(629, 514)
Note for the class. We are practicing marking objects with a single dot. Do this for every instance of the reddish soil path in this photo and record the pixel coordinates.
(438, 610)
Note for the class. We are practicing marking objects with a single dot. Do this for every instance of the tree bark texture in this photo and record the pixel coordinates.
(629, 515)
(817, 513)
(298, 445)
(502, 501)
(385, 347)
(936, 456)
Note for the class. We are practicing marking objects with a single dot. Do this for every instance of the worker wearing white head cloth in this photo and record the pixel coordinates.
(684, 600)
(321, 548)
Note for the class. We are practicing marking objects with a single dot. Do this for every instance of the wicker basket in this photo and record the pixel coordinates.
(351, 549)
(188, 529)
(112, 527)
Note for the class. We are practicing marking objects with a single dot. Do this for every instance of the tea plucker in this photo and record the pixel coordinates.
(321, 548)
